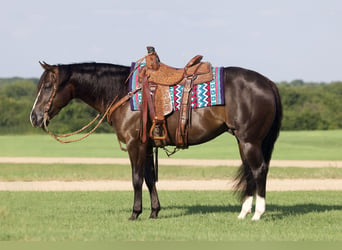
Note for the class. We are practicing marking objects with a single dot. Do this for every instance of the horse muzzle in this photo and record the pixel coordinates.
(39, 120)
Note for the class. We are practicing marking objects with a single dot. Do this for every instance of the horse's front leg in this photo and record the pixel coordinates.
(150, 179)
(137, 155)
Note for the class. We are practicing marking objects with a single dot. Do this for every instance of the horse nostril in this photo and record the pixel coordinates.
(36, 120)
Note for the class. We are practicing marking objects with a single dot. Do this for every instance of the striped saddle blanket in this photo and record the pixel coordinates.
(203, 95)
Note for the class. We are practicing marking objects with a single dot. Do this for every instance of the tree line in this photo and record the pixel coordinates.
(306, 106)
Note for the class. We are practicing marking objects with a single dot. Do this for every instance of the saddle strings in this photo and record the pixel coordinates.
(138, 63)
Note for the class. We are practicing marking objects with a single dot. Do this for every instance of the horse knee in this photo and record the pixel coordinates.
(137, 181)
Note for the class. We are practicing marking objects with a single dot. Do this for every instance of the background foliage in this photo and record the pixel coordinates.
(16, 99)
(307, 106)
(311, 106)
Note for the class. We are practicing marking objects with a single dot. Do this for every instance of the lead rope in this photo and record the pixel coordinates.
(110, 109)
(57, 137)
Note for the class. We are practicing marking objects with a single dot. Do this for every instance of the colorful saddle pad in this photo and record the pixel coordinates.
(203, 95)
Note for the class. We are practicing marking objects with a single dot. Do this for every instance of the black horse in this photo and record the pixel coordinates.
(252, 113)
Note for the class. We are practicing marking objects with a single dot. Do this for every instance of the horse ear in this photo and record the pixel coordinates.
(46, 66)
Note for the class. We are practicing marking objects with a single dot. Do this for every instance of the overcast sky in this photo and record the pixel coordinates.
(284, 39)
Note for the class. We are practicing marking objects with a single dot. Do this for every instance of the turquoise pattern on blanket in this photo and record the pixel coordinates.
(202, 95)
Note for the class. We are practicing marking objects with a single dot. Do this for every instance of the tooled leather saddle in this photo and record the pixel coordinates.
(156, 79)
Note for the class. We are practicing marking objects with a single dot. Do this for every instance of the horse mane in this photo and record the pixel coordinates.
(101, 80)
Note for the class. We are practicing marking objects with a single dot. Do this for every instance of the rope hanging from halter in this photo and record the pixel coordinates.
(110, 109)
(57, 137)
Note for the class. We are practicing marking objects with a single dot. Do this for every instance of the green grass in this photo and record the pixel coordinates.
(186, 215)
(309, 145)
(292, 145)
(73, 172)
(302, 145)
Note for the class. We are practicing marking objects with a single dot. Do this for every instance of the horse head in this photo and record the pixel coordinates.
(53, 93)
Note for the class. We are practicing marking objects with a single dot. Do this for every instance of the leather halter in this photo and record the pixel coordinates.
(48, 105)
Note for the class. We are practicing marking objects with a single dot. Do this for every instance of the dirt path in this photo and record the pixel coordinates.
(103, 185)
(166, 162)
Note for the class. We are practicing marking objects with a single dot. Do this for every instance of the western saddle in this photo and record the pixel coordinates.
(156, 79)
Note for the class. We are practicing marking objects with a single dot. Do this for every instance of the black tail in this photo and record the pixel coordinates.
(271, 137)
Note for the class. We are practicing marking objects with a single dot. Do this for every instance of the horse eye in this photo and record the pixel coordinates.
(47, 85)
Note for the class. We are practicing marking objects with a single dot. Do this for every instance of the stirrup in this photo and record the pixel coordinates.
(164, 131)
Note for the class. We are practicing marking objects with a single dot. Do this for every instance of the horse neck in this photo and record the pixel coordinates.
(99, 90)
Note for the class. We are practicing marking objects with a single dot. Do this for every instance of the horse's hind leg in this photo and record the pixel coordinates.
(255, 179)
(150, 179)
(248, 187)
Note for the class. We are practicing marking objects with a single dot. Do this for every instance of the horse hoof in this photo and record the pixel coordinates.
(257, 215)
(134, 216)
(243, 214)
(154, 215)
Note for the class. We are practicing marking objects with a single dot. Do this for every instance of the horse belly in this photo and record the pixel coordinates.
(205, 124)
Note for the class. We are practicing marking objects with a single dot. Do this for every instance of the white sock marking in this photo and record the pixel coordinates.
(260, 207)
(246, 207)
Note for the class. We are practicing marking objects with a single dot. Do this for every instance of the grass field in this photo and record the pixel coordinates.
(186, 215)
(75, 172)
(302, 145)
(292, 145)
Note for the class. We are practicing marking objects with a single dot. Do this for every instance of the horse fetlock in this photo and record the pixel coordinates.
(135, 214)
(246, 207)
(260, 208)
(154, 212)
